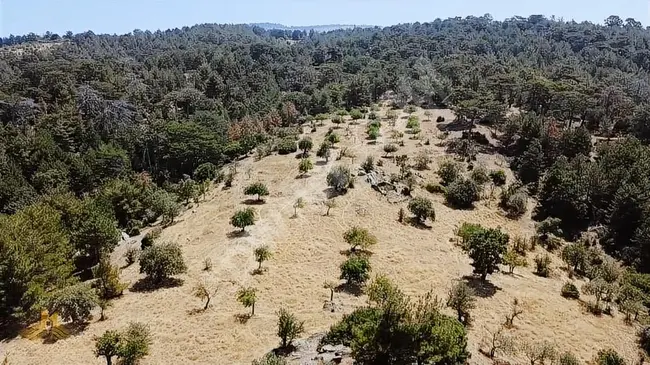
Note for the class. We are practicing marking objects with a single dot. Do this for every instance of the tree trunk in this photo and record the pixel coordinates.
(259, 267)
(207, 303)
(484, 276)
(109, 360)
(253, 310)
(331, 295)
(328, 211)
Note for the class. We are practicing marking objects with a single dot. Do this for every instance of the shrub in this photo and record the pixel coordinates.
(305, 166)
(305, 145)
(609, 357)
(247, 297)
(131, 255)
(134, 343)
(413, 122)
(258, 189)
(355, 270)
(480, 175)
(356, 114)
(202, 292)
(498, 177)
(373, 116)
(644, 339)
(514, 200)
(570, 291)
(543, 265)
(342, 112)
(107, 279)
(287, 145)
(149, 239)
(435, 188)
(337, 119)
(73, 303)
(422, 161)
(390, 148)
(575, 255)
(369, 164)
(568, 358)
(243, 218)
(333, 138)
(373, 133)
(270, 359)
(449, 171)
(549, 226)
(381, 290)
(205, 172)
(462, 194)
(359, 237)
(462, 299)
(422, 208)
(161, 261)
(289, 328)
(513, 260)
(539, 353)
(339, 178)
(486, 248)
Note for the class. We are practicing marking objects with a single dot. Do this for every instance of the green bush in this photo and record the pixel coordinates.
(339, 178)
(243, 218)
(486, 248)
(369, 164)
(609, 357)
(390, 148)
(413, 122)
(73, 303)
(568, 358)
(570, 291)
(288, 328)
(270, 359)
(355, 270)
(462, 194)
(465, 231)
(359, 237)
(498, 177)
(333, 138)
(107, 279)
(449, 171)
(161, 261)
(134, 343)
(543, 265)
(337, 119)
(150, 237)
(205, 172)
(305, 145)
(258, 189)
(514, 201)
(480, 175)
(435, 188)
(356, 114)
(287, 146)
(422, 208)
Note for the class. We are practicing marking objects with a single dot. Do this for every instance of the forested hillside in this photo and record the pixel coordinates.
(100, 132)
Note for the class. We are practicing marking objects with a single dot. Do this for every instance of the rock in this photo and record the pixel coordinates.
(125, 236)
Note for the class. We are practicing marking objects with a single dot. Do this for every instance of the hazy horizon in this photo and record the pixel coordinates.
(121, 16)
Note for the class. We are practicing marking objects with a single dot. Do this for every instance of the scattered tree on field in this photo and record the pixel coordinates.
(390, 148)
(289, 328)
(499, 342)
(513, 260)
(449, 171)
(331, 286)
(486, 248)
(515, 311)
(324, 151)
(329, 204)
(305, 145)
(298, 204)
(462, 299)
(247, 297)
(422, 208)
(258, 189)
(202, 292)
(540, 353)
(108, 346)
(355, 270)
(262, 253)
(339, 178)
(243, 218)
(73, 303)
(359, 237)
(305, 166)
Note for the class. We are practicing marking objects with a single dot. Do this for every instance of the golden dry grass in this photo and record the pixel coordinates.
(307, 253)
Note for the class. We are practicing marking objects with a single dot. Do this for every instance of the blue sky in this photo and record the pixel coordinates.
(123, 16)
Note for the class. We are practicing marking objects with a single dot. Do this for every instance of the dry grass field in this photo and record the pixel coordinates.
(307, 252)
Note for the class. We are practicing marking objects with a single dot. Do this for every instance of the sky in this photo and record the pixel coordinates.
(123, 16)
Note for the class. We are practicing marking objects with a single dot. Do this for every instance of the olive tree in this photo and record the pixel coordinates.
(305, 166)
(243, 218)
(202, 292)
(339, 178)
(359, 237)
(448, 171)
(305, 145)
(161, 261)
(462, 299)
(390, 148)
(134, 343)
(247, 297)
(262, 254)
(73, 303)
(462, 193)
(108, 346)
(258, 189)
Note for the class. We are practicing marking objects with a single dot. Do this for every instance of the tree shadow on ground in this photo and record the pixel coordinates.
(284, 351)
(258, 271)
(242, 318)
(417, 223)
(456, 125)
(146, 285)
(320, 163)
(333, 193)
(238, 233)
(483, 289)
(353, 289)
(10, 329)
(253, 202)
(300, 156)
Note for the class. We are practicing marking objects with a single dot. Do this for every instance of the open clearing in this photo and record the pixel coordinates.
(307, 252)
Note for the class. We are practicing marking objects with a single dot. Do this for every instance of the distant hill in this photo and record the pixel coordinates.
(317, 28)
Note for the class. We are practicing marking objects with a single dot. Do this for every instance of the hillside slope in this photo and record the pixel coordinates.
(307, 252)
